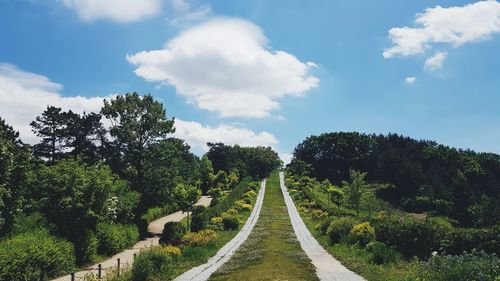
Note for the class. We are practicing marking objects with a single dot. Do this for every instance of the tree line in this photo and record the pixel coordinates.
(423, 176)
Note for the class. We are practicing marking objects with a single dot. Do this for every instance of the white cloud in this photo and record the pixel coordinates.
(184, 13)
(116, 10)
(410, 80)
(25, 95)
(454, 25)
(197, 135)
(226, 66)
(286, 158)
(435, 62)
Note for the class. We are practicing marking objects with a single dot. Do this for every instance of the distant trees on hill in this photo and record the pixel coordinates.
(425, 176)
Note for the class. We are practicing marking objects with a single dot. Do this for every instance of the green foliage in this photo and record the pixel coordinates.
(114, 238)
(412, 238)
(152, 264)
(86, 247)
(382, 254)
(323, 225)
(339, 229)
(201, 238)
(458, 240)
(423, 176)
(28, 223)
(477, 266)
(206, 173)
(215, 192)
(257, 162)
(35, 256)
(228, 201)
(230, 222)
(172, 233)
(362, 233)
(355, 190)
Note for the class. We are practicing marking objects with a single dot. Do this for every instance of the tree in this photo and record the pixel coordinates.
(74, 196)
(136, 123)
(220, 180)
(355, 190)
(187, 195)
(206, 173)
(167, 163)
(50, 127)
(81, 134)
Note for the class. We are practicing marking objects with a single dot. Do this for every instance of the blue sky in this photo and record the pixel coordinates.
(263, 72)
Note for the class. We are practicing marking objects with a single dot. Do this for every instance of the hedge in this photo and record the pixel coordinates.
(35, 256)
(113, 238)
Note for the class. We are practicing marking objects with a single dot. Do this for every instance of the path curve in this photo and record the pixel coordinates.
(204, 271)
(327, 267)
(127, 256)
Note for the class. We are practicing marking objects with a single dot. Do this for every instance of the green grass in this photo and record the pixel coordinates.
(272, 251)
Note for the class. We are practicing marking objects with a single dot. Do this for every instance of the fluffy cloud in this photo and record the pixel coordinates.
(197, 135)
(115, 10)
(25, 95)
(454, 25)
(226, 66)
(435, 62)
(410, 80)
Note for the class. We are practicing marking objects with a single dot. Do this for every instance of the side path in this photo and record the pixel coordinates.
(327, 267)
(126, 257)
(204, 271)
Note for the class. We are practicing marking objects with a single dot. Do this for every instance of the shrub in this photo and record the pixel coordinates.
(214, 202)
(86, 247)
(231, 212)
(172, 250)
(201, 238)
(477, 266)
(29, 223)
(318, 214)
(250, 193)
(151, 215)
(246, 207)
(114, 238)
(198, 222)
(362, 233)
(410, 238)
(172, 233)
(459, 240)
(381, 253)
(339, 229)
(215, 192)
(324, 224)
(230, 222)
(228, 201)
(35, 256)
(152, 264)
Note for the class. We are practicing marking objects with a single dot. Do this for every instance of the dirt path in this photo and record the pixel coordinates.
(271, 252)
(327, 267)
(203, 272)
(127, 257)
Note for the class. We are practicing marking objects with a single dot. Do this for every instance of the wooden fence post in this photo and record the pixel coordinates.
(99, 268)
(118, 266)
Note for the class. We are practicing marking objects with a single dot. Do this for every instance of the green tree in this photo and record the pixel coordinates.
(355, 190)
(81, 133)
(187, 195)
(136, 123)
(50, 126)
(74, 196)
(206, 174)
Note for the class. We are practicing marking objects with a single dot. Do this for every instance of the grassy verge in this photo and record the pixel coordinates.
(358, 259)
(271, 252)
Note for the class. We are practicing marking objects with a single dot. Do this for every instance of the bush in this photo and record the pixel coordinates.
(466, 239)
(114, 238)
(86, 248)
(201, 238)
(381, 253)
(172, 233)
(477, 266)
(214, 202)
(228, 201)
(152, 264)
(339, 229)
(231, 212)
(171, 250)
(35, 256)
(215, 192)
(230, 222)
(318, 215)
(323, 225)
(29, 223)
(362, 233)
(249, 194)
(410, 238)
(198, 222)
